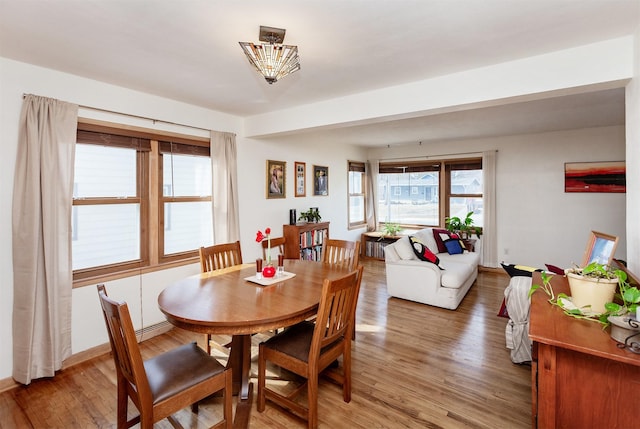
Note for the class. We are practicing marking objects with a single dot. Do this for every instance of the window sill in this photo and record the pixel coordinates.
(134, 272)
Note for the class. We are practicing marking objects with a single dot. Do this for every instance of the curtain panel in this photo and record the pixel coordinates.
(224, 173)
(41, 237)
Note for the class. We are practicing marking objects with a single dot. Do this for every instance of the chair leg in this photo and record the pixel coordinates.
(123, 404)
(312, 393)
(262, 370)
(346, 370)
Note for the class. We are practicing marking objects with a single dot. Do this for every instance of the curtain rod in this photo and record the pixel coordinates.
(427, 157)
(154, 120)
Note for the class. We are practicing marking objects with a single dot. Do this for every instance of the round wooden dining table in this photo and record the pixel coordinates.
(225, 302)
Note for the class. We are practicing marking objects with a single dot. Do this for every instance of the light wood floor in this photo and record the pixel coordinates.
(414, 366)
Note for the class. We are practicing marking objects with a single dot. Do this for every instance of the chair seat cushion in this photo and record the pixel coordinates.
(295, 341)
(179, 369)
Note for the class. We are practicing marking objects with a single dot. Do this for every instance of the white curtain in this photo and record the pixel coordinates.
(42, 273)
(489, 256)
(372, 171)
(224, 169)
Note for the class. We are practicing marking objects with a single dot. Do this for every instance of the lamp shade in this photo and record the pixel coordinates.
(272, 59)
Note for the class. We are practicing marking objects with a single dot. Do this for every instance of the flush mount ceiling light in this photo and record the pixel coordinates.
(272, 59)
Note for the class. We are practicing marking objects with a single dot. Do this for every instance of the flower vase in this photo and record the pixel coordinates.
(269, 271)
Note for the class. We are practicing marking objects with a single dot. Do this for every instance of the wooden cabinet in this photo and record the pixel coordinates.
(304, 240)
(372, 244)
(580, 377)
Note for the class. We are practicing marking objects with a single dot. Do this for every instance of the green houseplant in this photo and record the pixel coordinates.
(391, 229)
(463, 227)
(602, 276)
(311, 215)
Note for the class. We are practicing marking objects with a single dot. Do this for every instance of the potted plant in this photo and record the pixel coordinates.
(463, 227)
(391, 229)
(593, 286)
(311, 215)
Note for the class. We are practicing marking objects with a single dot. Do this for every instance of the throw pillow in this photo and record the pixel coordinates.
(518, 270)
(423, 253)
(453, 246)
(404, 248)
(554, 269)
(441, 235)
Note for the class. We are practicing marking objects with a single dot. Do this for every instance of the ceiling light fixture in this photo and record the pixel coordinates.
(272, 59)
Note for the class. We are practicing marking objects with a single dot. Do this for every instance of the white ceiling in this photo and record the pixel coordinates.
(188, 50)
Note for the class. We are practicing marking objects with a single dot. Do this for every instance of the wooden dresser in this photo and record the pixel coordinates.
(580, 378)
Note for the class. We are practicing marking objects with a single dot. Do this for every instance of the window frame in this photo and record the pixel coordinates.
(444, 167)
(149, 194)
(360, 167)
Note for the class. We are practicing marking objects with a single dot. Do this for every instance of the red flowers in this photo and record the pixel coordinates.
(260, 236)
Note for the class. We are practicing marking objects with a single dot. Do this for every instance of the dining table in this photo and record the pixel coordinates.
(236, 301)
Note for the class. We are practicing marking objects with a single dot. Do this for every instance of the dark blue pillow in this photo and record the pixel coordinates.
(453, 246)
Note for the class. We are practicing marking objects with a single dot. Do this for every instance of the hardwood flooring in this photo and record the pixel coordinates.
(414, 366)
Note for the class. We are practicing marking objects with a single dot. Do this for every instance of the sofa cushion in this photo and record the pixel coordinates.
(422, 252)
(454, 247)
(440, 235)
(404, 248)
(454, 274)
(425, 236)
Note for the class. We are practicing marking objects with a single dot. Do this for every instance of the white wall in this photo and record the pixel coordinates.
(141, 291)
(537, 221)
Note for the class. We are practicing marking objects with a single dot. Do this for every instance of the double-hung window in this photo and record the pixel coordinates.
(140, 201)
(356, 210)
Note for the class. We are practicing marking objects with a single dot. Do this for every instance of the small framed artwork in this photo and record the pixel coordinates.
(320, 180)
(608, 176)
(301, 179)
(600, 248)
(276, 179)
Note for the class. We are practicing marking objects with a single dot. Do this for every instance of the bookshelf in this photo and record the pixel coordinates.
(304, 240)
(372, 244)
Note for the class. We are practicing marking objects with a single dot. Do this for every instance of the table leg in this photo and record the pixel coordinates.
(240, 363)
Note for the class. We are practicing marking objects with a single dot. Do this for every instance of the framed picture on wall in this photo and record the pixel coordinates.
(276, 179)
(301, 179)
(320, 180)
(607, 176)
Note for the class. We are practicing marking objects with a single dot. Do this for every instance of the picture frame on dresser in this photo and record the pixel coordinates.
(600, 248)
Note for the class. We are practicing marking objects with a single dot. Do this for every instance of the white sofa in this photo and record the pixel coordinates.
(413, 279)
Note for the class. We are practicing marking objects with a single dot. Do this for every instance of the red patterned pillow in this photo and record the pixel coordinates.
(442, 235)
(423, 253)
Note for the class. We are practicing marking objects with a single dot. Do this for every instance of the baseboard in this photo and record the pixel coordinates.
(94, 352)
(497, 270)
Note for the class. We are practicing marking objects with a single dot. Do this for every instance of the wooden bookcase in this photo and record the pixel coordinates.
(304, 240)
(372, 244)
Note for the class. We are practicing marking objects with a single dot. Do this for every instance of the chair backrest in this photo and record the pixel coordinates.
(124, 346)
(341, 252)
(336, 311)
(220, 256)
(276, 243)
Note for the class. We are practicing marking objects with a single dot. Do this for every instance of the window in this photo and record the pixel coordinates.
(409, 192)
(465, 184)
(138, 201)
(357, 212)
(186, 199)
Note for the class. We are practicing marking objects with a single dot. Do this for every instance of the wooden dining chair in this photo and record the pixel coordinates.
(220, 256)
(276, 243)
(308, 348)
(164, 384)
(216, 257)
(341, 252)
